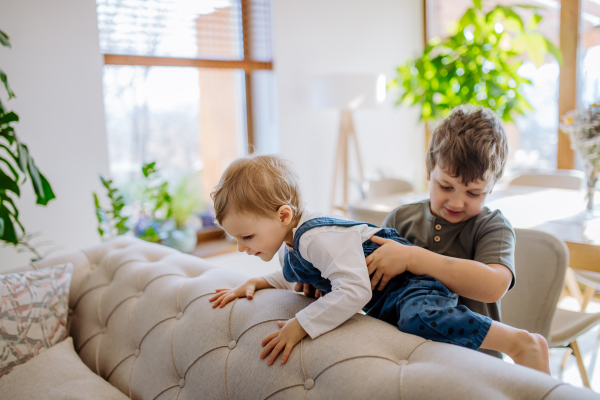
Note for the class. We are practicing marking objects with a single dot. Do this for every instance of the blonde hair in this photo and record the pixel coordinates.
(470, 143)
(258, 185)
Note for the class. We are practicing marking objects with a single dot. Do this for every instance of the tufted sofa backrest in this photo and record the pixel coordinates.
(141, 319)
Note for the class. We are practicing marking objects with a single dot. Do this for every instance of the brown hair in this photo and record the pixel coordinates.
(470, 143)
(258, 185)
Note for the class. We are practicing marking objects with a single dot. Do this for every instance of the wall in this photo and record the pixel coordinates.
(55, 69)
(313, 37)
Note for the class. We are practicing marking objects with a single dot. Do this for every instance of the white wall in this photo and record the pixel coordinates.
(55, 69)
(313, 37)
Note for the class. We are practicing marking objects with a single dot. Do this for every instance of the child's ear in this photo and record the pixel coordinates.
(285, 214)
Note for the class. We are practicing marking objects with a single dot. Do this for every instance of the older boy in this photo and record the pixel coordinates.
(463, 244)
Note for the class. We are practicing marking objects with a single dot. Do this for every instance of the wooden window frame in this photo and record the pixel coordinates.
(570, 14)
(246, 64)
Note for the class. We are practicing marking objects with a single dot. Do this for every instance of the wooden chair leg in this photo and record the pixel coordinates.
(568, 352)
(580, 364)
(587, 296)
(573, 285)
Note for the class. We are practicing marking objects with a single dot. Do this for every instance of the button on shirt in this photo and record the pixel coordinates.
(337, 252)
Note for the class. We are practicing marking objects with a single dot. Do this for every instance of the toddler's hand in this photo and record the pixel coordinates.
(224, 296)
(290, 334)
(308, 290)
(388, 261)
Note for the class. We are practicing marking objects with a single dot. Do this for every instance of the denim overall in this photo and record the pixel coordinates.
(419, 305)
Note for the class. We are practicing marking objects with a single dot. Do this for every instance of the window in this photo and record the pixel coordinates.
(589, 53)
(187, 83)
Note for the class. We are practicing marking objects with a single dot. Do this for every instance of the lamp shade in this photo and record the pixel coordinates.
(347, 91)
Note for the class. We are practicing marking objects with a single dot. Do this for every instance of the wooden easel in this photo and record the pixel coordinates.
(346, 134)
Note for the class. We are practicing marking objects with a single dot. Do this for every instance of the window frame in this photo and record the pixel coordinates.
(247, 64)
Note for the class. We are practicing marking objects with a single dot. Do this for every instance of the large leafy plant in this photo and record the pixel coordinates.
(16, 164)
(476, 64)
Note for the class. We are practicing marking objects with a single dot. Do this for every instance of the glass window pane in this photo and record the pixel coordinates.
(589, 53)
(185, 119)
(171, 28)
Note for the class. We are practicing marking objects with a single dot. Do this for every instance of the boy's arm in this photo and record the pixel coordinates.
(472, 279)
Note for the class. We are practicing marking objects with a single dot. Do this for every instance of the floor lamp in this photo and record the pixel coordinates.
(346, 93)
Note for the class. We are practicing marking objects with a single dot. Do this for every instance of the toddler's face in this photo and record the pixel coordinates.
(452, 200)
(256, 235)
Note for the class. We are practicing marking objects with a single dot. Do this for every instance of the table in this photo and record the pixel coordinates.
(560, 212)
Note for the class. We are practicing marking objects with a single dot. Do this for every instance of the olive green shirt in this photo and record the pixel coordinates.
(487, 238)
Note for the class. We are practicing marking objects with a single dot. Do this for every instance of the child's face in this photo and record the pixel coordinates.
(452, 200)
(257, 235)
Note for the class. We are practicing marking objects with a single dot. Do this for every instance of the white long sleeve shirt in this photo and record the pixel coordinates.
(337, 252)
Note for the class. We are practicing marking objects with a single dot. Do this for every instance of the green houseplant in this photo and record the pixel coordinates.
(16, 164)
(155, 212)
(476, 64)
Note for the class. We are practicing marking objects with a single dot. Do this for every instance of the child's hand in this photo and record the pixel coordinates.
(290, 334)
(308, 290)
(224, 296)
(388, 261)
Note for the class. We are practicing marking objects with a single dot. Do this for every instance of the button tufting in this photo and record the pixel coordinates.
(403, 362)
(181, 382)
(179, 315)
(309, 384)
(232, 344)
(140, 294)
(137, 352)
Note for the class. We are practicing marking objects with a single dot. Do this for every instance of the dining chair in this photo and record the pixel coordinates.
(558, 178)
(387, 186)
(541, 261)
(564, 179)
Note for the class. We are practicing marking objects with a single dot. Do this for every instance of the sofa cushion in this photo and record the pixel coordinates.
(57, 373)
(33, 313)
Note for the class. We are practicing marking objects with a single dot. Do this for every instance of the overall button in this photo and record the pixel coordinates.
(137, 352)
(232, 344)
(309, 384)
(438, 227)
(181, 382)
(403, 362)
(179, 315)
(437, 239)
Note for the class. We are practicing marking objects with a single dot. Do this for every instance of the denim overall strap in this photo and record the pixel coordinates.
(324, 221)
(296, 268)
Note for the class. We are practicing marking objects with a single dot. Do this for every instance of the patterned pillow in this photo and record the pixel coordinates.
(33, 313)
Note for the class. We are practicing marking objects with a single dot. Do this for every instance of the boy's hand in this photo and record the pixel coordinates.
(388, 261)
(308, 290)
(290, 334)
(224, 296)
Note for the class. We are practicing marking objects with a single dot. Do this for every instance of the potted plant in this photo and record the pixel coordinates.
(476, 64)
(185, 202)
(16, 165)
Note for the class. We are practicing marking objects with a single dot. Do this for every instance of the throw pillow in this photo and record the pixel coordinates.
(33, 313)
(57, 373)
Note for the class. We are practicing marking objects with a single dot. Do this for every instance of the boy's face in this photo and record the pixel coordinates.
(452, 200)
(257, 235)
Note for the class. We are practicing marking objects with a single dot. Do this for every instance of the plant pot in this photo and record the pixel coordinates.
(183, 240)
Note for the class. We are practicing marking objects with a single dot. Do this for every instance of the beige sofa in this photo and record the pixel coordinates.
(141, 319)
